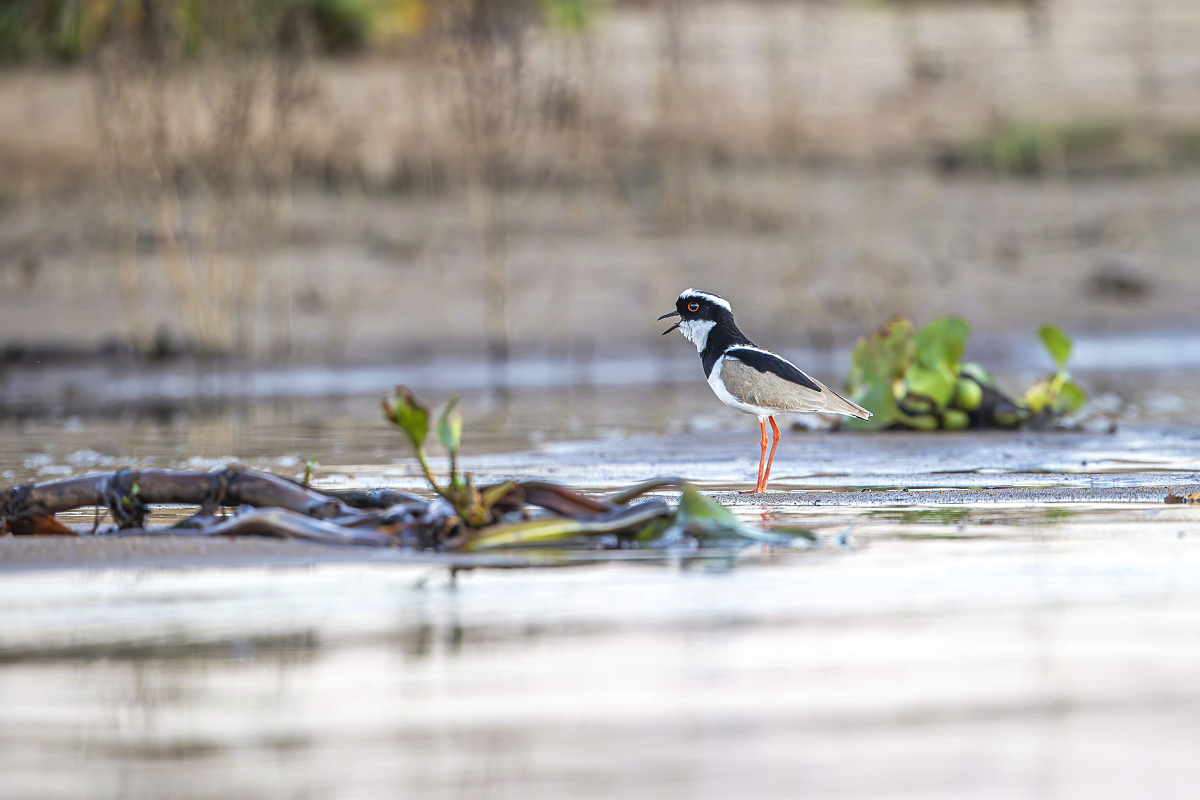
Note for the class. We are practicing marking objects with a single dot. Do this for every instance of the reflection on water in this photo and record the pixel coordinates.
(348, 431)
(1024, 662)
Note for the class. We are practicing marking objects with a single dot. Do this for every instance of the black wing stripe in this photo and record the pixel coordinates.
(769, 362)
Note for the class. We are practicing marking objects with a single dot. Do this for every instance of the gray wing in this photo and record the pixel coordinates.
(766, 380)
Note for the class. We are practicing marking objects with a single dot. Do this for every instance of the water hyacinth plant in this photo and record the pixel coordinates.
(494, 517)
(1056, 395)
(406, 412)
(916, 379)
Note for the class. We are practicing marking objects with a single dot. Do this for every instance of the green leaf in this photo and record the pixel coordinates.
(697, 507)
(489, 497)
(864, 368)
(1071, 399)
(973, 370)
(450, 424)
(549, 530)
(1057, 343)
(879, 400)
(1038, 396)
(878, 362)
(881, 357)
(895, 343)
(528, 532)
(936, 383)
(711, 523)
(404, 410)
(652, 524)
(310, 469)
(941, 343)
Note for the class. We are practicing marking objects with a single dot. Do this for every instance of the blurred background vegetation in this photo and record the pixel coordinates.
(365, 179)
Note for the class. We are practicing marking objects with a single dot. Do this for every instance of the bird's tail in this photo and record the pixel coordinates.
(836, 404)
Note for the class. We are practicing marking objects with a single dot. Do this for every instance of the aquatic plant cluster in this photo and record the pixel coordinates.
(460, 518)
(509, 515)
(698, 520)
(916, 379)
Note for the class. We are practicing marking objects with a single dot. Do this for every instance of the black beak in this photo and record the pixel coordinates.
(673, 327)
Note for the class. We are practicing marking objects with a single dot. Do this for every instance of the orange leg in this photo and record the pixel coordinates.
(770, 459)
(758, 487)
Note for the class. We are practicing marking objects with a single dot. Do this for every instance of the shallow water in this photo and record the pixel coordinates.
(1151, 409)
(974, 622)
(1049, 657)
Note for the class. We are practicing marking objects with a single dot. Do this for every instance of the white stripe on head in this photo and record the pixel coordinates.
(712, 298)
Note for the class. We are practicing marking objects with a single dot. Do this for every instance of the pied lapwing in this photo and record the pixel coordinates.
(747, 377)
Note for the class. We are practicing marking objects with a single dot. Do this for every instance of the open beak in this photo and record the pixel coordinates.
(673, 327)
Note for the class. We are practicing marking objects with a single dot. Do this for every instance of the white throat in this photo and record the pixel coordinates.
(696, 331)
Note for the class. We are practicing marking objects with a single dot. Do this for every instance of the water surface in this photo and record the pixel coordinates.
(966, 626)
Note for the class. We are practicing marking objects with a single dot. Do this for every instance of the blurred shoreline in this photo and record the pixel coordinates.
(541, 194)
(808, 260)
(1114, 83)
(109, 388)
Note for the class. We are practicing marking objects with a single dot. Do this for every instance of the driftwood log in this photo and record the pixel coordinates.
(270, 505)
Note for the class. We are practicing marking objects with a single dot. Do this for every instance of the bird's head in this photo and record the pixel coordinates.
(698, 313)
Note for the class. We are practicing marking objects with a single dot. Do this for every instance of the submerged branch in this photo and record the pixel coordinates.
(128, 493)
(525, 514)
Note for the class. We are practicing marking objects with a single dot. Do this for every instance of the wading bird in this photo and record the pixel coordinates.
(747, 377)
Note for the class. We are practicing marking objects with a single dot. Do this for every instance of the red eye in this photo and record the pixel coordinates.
(693, 307)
